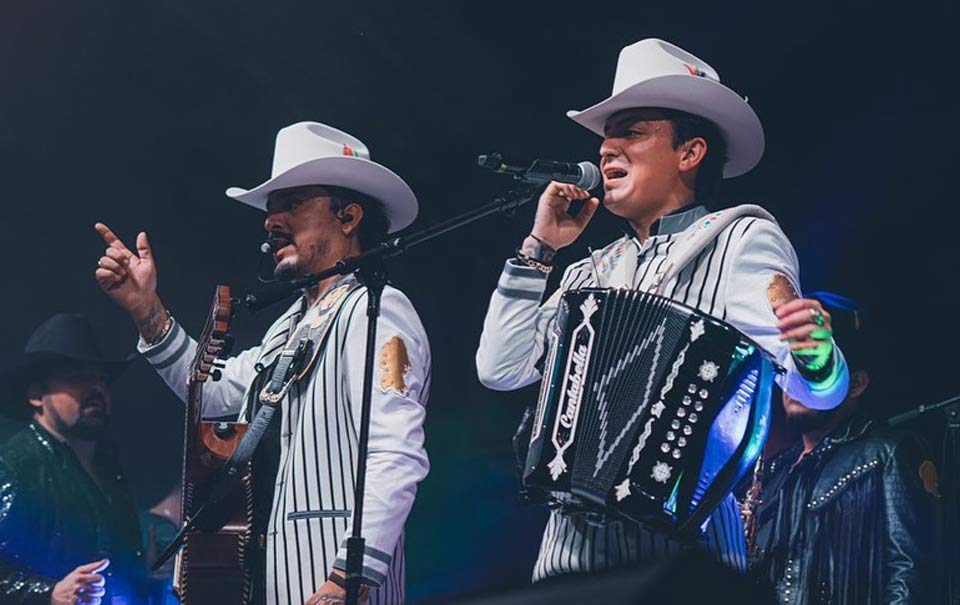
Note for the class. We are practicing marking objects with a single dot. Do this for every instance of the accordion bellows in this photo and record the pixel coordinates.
(648, 407)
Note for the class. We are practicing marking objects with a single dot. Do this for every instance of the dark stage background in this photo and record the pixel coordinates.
(140, 114)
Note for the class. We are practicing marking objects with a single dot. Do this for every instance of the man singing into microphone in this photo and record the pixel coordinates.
(326, 200)
(671, 132)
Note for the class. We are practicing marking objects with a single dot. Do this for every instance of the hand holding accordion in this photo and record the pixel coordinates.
(648, 407)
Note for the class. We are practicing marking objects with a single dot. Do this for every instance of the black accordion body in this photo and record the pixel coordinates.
(648, 408)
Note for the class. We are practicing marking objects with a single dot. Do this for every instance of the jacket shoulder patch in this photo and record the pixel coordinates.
(394, 365)
(780, 290)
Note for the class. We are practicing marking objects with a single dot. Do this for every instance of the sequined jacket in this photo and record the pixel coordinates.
(53, 517)
(855, 521)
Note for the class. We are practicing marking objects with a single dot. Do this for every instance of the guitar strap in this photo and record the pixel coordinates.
(292, 365)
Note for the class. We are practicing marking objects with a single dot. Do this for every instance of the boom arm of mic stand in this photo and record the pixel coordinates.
(508, 202)
(920, 410)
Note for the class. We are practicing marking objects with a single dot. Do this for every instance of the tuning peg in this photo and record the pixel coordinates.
(227, 346)
(216, 375)
(224, 430)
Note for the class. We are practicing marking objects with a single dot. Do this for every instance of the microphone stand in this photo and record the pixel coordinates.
(504, 204)
(950, 406)
(371, 271)
(949, 486)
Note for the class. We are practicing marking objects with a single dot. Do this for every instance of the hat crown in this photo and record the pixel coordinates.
(652, 58)
(305, 141)
(654, 73)
(311, 153)
(67, 334)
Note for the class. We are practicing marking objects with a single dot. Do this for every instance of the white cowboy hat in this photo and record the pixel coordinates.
(310, 153)
(654, 73)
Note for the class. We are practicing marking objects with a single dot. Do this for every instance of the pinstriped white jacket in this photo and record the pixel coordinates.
(313, 496)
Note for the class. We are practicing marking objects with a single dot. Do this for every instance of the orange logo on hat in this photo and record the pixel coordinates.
(693, 70)
(347, 150)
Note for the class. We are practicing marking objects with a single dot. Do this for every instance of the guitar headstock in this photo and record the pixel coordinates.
(216, 341)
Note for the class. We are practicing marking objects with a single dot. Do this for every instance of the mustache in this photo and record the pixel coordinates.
(96, 400)
(278, 239)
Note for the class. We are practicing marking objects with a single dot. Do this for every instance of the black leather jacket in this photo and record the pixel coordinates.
(54, 517)
(856, 521)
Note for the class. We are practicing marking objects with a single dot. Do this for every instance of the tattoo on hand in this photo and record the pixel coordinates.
(328, 599)
(152, 325)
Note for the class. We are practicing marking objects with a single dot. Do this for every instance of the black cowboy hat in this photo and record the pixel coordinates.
(64, 338)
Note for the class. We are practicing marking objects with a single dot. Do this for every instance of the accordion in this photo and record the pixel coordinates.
(648, 407)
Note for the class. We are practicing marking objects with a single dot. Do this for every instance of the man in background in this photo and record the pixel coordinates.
(850, 514)
(69, 532)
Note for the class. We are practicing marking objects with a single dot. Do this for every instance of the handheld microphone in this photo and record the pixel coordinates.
(584, 175)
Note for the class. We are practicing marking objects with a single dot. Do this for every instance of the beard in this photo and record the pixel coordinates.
(90, 425)
(287, 271)
(301, 265)
(90, 429)
(806, 420)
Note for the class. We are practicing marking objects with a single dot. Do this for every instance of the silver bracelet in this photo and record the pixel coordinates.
(163, 333)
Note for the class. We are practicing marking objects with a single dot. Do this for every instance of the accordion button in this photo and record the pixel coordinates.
(693, 418)
(681, 442)
(687, 429)
(692, 388)
(704, 393)
(665, 447)
(681, 412)
(671, 436)
(698, 406)
(675, 424)
(675, 453)
(687, 400)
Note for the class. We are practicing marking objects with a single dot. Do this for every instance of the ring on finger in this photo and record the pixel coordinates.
(817, 316)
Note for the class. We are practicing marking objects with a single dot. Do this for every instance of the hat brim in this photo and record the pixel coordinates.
(737, 121)
(399, 203)
(14, 375)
